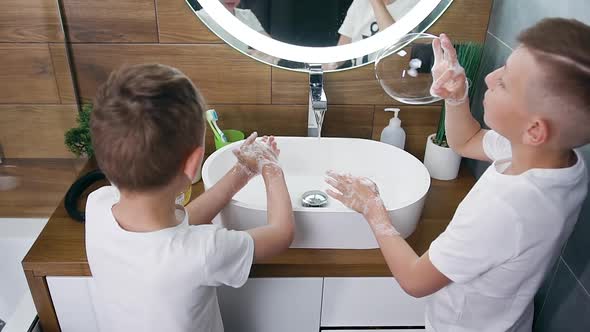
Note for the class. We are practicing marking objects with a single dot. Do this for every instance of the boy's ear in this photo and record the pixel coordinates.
(193, 162)
(537, 133)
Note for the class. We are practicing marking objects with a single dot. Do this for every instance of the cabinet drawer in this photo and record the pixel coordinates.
(369, 302)
(271, 305)
(380, 330)
(73, 304)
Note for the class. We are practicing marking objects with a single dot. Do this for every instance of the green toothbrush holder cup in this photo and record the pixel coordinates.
(232, 135)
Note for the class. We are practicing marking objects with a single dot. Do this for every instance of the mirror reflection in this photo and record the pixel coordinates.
(310, 23)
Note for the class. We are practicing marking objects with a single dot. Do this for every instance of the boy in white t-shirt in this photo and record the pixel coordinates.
(364, 19)
(247, 17)
(155, 264)
(485, 268)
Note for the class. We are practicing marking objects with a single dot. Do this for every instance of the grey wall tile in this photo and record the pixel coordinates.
(567, 307)
(477, 167)
(509, 17)
(541, 295)
(494, 56)
(577, 250)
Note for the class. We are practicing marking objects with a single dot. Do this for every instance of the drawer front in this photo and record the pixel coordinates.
(379, 330)
(73, 303)
(271, 305)
(369, 302)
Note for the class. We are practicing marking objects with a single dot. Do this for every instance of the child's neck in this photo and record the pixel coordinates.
(146, 212)
(526, 158)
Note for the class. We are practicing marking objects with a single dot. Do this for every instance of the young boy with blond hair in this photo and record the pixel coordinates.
(155, 264)
(485, 268)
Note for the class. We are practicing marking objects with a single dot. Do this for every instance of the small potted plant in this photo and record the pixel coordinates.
(79, 142)
(77, 139)
(440, 160)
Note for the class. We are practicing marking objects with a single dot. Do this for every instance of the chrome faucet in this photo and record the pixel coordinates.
(318, 103)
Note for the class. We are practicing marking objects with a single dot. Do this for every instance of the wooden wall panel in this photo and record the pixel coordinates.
(36, 131)
(221, 73)
(63, 75)
(354, 87)
(26, 75)
(291, 120)
(465, 20)
(30, 21)
(34, 80)
(113, 21)
(351, 87)
(278, 120)
(42, 184)
(107, 34)
(348, 121)
(177, 23)
(290, 87)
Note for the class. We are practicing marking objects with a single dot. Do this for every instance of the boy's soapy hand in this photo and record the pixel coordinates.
(255, 155)
(449, 80)
(358, 193)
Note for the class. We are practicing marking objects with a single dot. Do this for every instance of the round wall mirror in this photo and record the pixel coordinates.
(338, 34)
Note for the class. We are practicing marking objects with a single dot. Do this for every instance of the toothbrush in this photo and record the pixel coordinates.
(212, 119)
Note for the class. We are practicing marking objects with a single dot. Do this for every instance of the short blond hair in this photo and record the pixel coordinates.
(562, 48)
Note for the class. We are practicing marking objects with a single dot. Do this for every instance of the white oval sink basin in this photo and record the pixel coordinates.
(402, 179)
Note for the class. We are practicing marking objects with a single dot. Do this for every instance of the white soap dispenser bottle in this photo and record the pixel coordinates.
(394, 134)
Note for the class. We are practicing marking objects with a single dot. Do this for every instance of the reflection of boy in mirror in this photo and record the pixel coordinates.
(365, 18)
(247, 17)
(231, 5)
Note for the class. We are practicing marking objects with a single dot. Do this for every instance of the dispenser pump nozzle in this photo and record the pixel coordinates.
(395, 121)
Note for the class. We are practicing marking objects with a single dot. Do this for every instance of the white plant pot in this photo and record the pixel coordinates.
(442, 163)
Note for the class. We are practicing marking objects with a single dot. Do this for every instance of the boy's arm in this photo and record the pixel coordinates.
(416, 275)
(277, 235)
(343, 40)
(382, 15)
(204, 208)
(262, 158)
(464, 133)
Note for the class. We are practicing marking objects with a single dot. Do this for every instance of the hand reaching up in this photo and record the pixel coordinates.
(449, 80)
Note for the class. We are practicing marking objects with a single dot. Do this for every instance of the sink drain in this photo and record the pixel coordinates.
(314, 198)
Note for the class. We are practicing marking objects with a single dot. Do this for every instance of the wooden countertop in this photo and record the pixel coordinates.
(40, 184)
(60, 250)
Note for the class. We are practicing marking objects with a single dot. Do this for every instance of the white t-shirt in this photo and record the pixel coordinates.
(163, 280)
(246, 16)
(504, 237)
(360, 21)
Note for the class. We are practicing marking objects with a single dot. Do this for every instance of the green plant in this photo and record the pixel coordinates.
(469, 57)
(78, 139)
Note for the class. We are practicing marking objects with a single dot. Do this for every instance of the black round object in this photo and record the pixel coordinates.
(76, 191)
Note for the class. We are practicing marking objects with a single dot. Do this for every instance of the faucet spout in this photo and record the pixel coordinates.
(318, 102)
